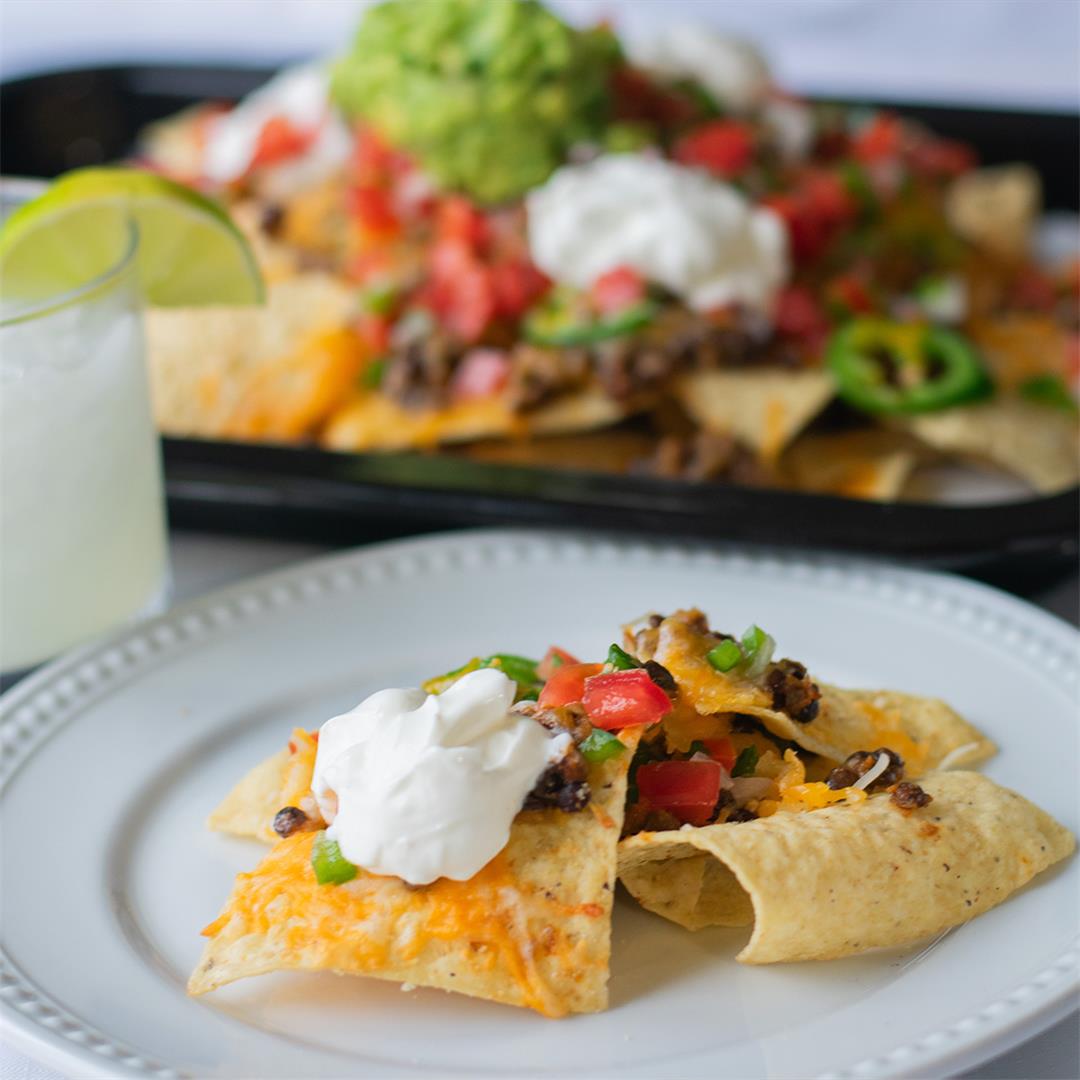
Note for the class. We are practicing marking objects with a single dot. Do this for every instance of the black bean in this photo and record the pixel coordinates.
(841, 777)
(271, 219)
(860, 763)
(793, 692)
(909, 796)
(289, 819)
(662, 677)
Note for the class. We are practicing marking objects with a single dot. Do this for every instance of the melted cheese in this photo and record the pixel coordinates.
(377, 922)
(684, 725)
(682, 652)
(372, 421)
(801, 798)
(889, 733)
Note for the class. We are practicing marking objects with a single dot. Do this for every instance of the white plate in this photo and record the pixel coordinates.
(113, 757)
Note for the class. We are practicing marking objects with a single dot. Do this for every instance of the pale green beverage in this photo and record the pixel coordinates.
(82, 523)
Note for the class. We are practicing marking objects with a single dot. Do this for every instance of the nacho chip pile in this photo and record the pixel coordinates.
(822, 844)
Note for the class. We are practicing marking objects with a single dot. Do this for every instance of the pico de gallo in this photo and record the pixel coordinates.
(690, 767)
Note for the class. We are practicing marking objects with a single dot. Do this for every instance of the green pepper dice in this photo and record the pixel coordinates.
(893, 369)
(601, 745)
(725, 655)
(746, 762)
(519, 668)
(330, 866)
(620, 659)
(556, 324)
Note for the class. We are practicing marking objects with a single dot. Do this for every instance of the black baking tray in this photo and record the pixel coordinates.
(58, 121)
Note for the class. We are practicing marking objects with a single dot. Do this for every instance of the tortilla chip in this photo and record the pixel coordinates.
(249, 809)
(996, 208)
(372, 421)
(1021, 345)
(260, 372)
(855, 464)
(533, 928)
(851, 877)
(924, 731)
(1035, 442)
(283, 779)
(764, 408)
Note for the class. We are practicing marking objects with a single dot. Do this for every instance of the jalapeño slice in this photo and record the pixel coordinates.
(900, 368)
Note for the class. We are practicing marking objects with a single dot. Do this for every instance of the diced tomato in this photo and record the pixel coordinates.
(850, 295)
(278, 140)
(814, 211)
(620, 699)
(554, 659)
(371, 157)
(807, 235)
(722, 751)
(799, 315)
(464, 301)
(687, 789)
(482, 374)
(375, 161)
(473, 280)
(617, 290)
(518, 285)
(458, 219)
(567, 684)
(1072, 357)
(827, 197)
(374, 210)
(880, 139)
(724, 147)
(942, 157)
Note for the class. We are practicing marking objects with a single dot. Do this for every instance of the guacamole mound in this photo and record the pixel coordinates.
(488, 95)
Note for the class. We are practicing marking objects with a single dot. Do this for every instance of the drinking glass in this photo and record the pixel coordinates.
(82, 525)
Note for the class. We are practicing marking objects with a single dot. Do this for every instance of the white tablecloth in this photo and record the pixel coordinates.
(203, 562)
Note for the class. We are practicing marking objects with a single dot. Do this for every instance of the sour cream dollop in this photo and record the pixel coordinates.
(422, 786)
(676, 226)
(300, 95)
(731, 70)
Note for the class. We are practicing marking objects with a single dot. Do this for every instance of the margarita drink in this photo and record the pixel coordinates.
(82, 532)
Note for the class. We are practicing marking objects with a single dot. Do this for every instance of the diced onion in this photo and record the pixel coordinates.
(745, 788)
(873, 772)
(955, 755)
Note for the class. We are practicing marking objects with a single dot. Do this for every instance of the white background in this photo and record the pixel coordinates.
(1019, 52)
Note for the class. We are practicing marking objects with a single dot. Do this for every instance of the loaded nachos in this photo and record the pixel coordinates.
(467, 834)
(524, 232)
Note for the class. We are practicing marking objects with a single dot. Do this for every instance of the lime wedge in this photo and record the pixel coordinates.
(190, 252)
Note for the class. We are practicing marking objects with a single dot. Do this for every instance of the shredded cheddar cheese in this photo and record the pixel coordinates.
(889, 733)
(684, 725)
(682, 652)
(372, 922)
